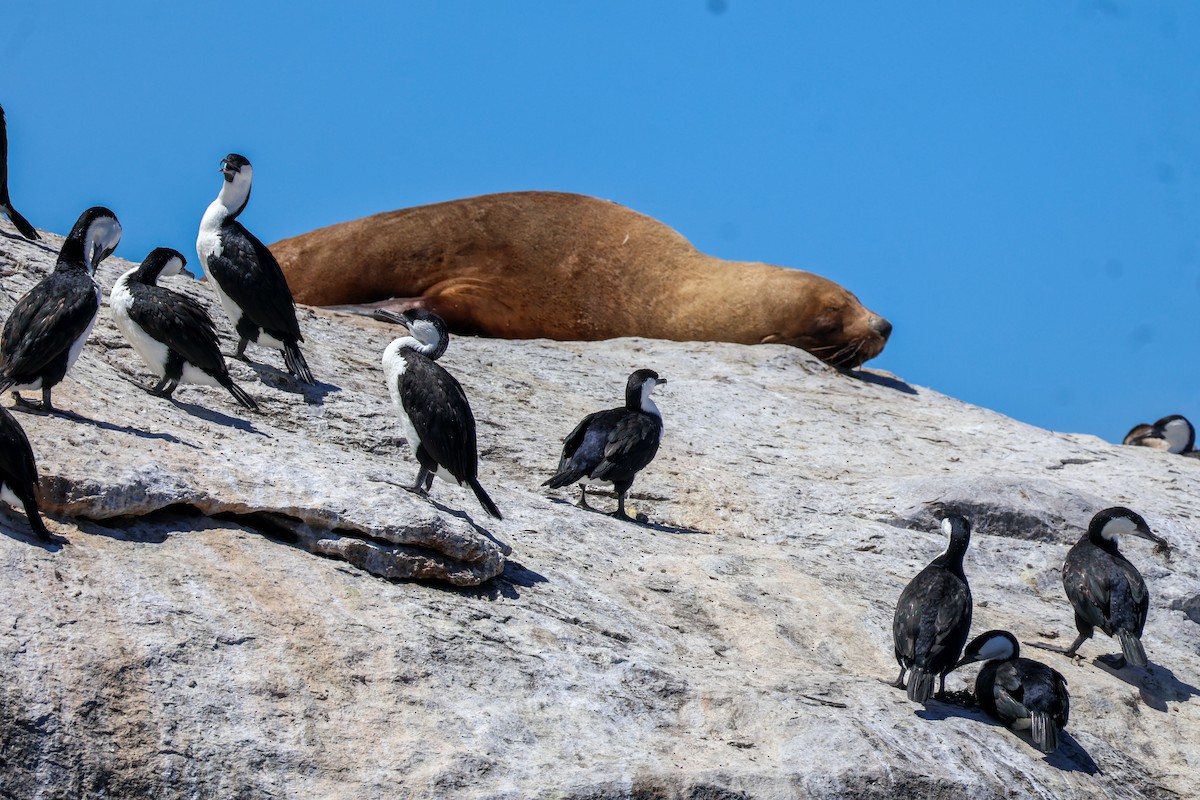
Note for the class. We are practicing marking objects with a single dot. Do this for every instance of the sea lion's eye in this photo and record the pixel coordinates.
(822, 326)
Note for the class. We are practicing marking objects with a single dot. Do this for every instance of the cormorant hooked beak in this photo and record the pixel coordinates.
(1160, 544)
(383, 315)
(99, 254)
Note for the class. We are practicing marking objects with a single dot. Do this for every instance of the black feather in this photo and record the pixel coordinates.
(43, 325)
(249, 274)
(22, 225)
(18, 471)
(933, 617)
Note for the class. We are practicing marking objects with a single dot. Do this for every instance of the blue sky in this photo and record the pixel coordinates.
(1015, 185)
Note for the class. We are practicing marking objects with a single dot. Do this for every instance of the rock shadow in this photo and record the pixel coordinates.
(507, 584)
(886, 381)
(1070, 756)
(152, 528)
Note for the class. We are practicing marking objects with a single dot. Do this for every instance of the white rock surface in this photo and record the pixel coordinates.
(735, 646)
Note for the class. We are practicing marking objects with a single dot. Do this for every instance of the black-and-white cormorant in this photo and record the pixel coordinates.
(1024, 694)
(613, 446)
(432, 406)
(170, 331)
(18, 473)
(6, 206)
(933, 616)
(245, 275)
(47, 328)
(1106, 591)
(1173, 433)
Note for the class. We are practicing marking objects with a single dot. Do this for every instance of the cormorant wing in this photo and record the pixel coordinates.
(953, 607)
(1009, 692)
(929, 611)
(438, 408)
(1045, 689)
(631, 444)
(4, 200)
(45, 323)
(179, 322)
(575, 438)
(249, 274)
(16, 457)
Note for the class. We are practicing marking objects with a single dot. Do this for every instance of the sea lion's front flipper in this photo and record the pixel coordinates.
(396, 304)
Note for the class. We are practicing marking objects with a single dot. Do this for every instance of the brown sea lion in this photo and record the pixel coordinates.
(526, 265)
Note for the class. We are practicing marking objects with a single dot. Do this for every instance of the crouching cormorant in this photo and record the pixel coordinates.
(1024, 694)
(933, 616)
(170, 331)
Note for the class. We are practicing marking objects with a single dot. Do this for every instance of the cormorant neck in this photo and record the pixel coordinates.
(234, 195)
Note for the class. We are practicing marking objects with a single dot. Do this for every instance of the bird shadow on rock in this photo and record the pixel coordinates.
(16, 237)
(286, 382)
(23, 532)
(663, 527)
(195, 410)
(507, 584)
(641, 520)
(109, 426)
(217, 417)
(465, 517)
(1068, 757)
(886, 381)
(1155, 683)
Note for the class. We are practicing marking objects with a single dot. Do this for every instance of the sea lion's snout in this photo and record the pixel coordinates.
(880, 326)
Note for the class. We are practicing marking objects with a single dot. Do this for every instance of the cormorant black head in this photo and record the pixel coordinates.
(93, 239)
(1178, 433)
(991, 646)
(1114, 522)
(425, 328)
(638, 388)
(162, 262)
(232, 164)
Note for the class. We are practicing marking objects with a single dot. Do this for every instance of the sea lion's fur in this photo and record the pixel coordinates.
(527, 265)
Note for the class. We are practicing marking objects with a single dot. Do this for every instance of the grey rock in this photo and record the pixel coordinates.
(735, 646)
(321, 467)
